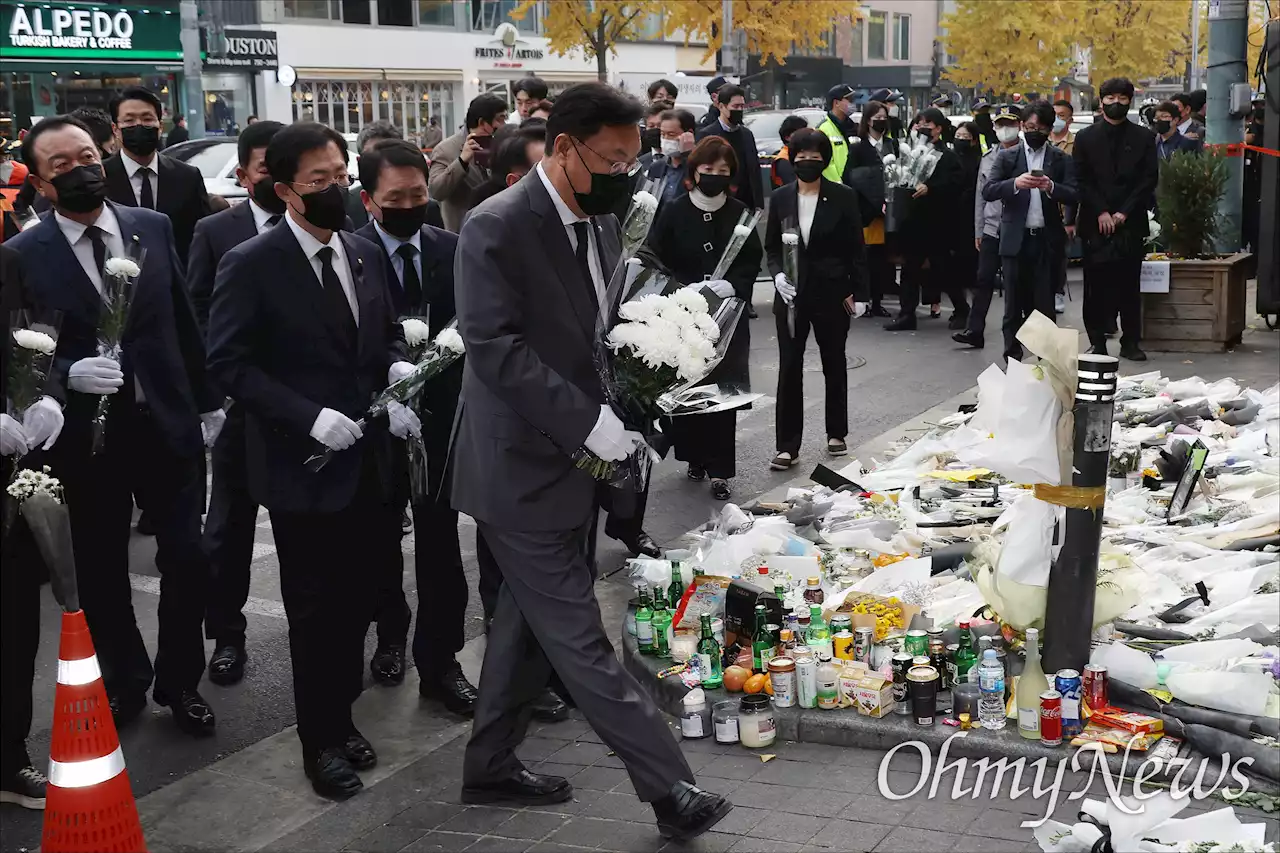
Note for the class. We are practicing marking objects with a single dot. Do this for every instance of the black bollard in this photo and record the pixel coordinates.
(1068, 620)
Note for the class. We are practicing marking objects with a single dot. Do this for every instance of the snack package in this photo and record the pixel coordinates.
(705, 595)
(1114, 740)
(1130, 722)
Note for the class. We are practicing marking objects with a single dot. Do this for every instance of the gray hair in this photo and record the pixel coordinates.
(381, 129)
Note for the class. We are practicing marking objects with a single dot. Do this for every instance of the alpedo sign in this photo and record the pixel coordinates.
(98, 32)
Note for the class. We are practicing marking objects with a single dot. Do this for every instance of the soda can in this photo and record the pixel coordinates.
(1051, 718)
(1095, 686)
(841, 622)
(922, 690)
(952, 674)
(901, 662)
(917, 643)
(1069, 684)
(938, 660)
(920, 660)
(863, 640)
(807, 680)
(842, 646)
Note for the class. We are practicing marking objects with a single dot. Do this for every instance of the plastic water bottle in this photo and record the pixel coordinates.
(991, 685)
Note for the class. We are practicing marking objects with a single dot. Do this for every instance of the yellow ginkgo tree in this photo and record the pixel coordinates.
(772, 27)
(1009, 46)
(593, 26)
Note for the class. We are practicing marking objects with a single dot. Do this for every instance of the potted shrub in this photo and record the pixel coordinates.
(1204, 310)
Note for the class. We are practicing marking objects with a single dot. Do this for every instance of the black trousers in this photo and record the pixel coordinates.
(707, 440)
(19, 639)
(490, 582)
(229, 530)
(1111, 288)
(830, 325)
(329, 600)
(880, 271)
(984, 286)
(1028, 286)
(136, 458)
(934, 281)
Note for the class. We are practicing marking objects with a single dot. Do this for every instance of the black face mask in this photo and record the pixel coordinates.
(735, 117)
(403, 222)
(879, 124)
(962, 146)
(326, 209)
(81, 190)
(925, 134)
(605, 193)
(1115, 111)
(650, 139)
(713, 185)
(808, 170)
(1161, 126)
(264, 193)
(140, 139)
(1035, 139)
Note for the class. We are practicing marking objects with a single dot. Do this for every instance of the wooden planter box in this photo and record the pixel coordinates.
(1204, 310)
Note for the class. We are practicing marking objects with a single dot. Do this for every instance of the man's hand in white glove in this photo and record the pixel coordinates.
(42, 423)
(720, 288)
(211, 424)
(403, 421)
(98, 375)
(13, 440)
(335, 430)
(785, 288)
(399, 371)
(609, 439)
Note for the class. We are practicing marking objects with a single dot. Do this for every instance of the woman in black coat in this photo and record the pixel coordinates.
(832, 283)
(688, 238)
(967, 145)
(866, 175)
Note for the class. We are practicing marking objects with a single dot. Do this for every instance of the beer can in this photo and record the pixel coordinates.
(952, 674)
(1095, 686)
(841, 622)
(863, 640)
(917, 643)
(922, 690)
(1051, 718)
(1068, 683)
(807, 681)
(842, 645)
(901, 662)
(920, 660)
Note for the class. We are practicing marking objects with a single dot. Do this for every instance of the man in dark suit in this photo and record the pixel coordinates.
(419, 260)
(1116, 171)
(1169, 140)
(233, 514)
(139, 176)
(535, 262)
(1186, 120)
(179, 132)
(1030, 180)
(731, 101)
(370, 136)
(302, 334)
(162, 414)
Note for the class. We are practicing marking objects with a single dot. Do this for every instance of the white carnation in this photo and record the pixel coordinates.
(790, 239)
(708, 327)
(33, 340)
(450, 340)
(122, 268)
(645, 200)
(416, 332)
(690, 300)
(741, 231)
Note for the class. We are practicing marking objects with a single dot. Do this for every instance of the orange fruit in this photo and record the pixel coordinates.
(756, 683)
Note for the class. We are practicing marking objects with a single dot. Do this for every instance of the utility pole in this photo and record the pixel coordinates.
(1228, 66)
(1193, 67)
(192, 68)
(732, 63)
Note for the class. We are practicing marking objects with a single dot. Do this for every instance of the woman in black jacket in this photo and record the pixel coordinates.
(831, 285)
(968, 147)
(866, 175)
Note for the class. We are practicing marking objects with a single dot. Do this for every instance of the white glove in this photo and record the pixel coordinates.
(609, 439)
(13, 439)
(211, 424)
(785, 288)
(399, 371)
(42, 423)
(335, 430)
(403, 421)
(720, 288)
(98, 375)
(859, 308)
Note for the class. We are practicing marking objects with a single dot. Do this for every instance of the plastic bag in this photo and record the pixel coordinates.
(1025, 448)
(1238, 692)
(1127, 664)
(1028, 541)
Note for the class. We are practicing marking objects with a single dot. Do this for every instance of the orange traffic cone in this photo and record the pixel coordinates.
(89, 807)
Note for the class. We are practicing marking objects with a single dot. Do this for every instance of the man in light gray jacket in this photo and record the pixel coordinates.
(460, 163)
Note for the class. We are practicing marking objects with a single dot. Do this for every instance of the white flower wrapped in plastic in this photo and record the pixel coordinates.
(122, 267)
(35, 341)
(416, 332)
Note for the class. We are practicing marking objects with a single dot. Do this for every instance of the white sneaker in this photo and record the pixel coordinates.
(1060, 303)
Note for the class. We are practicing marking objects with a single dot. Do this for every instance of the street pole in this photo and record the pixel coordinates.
(728, 42)
(192, 68)
(1073, 580)
(1193, 70)
(1228, 65)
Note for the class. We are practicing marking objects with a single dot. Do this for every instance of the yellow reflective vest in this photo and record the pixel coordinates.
(839, 150)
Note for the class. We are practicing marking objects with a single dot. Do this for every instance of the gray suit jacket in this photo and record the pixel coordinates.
(530, 391)
(452, 181)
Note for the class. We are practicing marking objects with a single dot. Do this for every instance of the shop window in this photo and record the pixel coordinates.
(357, 11)
(875, 35)
(349, 105)
(395, 13)
(902, 37)
(325, 10)
(435, 13)
(487, 14)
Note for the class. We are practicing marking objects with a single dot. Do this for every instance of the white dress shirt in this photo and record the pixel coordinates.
(133, 169)
(1035, 207)
(807, 206)
(1185, 126)
(311, 248)
(567, 219)
(261, 217)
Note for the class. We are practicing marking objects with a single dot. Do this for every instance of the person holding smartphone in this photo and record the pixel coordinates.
(460, 163)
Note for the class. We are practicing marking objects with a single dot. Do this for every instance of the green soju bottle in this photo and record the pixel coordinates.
(762, 646)
(709, 655)
(676, 591)
(661, 624)
(644, 623)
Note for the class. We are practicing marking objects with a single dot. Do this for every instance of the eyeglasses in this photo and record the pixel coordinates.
(615, 167)
(343, 181)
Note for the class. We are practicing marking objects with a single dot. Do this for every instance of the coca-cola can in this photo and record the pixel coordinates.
(1095, 687)
(1051, 718)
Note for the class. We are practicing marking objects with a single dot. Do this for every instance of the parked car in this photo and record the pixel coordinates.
(698, 110)
(216, 157)
(764, 125)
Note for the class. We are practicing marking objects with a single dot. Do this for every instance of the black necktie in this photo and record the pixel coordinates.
(146, 198)
(583, 248)
(96, 235)
(273, 220)
(409, 279)
(335, 298)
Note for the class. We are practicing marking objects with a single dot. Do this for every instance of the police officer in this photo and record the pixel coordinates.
(840, 129)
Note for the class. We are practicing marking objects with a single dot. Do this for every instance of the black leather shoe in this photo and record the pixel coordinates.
(751, 312)
(227, 664)
(902, 324)
(359, 752)
(332, 775)
(720, 489)
(452, 689)
(957, 322)
(696, 473)
(642, 544)
(387, 665)
(190, 711)
(968, 339)
(1133, 353)
(878, 311)
(549, 707)
(126, 707)
(526, 788)
(688, 811)
(146, 526)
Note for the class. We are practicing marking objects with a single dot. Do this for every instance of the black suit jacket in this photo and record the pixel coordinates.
(1115, 176)
(180, 195)
(750, 190)
(271, 347)
(1012, 162)
(833, 262)
(163, 347)
(177, 135)
(215, 236)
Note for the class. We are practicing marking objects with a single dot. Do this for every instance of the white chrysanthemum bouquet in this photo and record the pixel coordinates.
(912, 165)
(119, 277)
